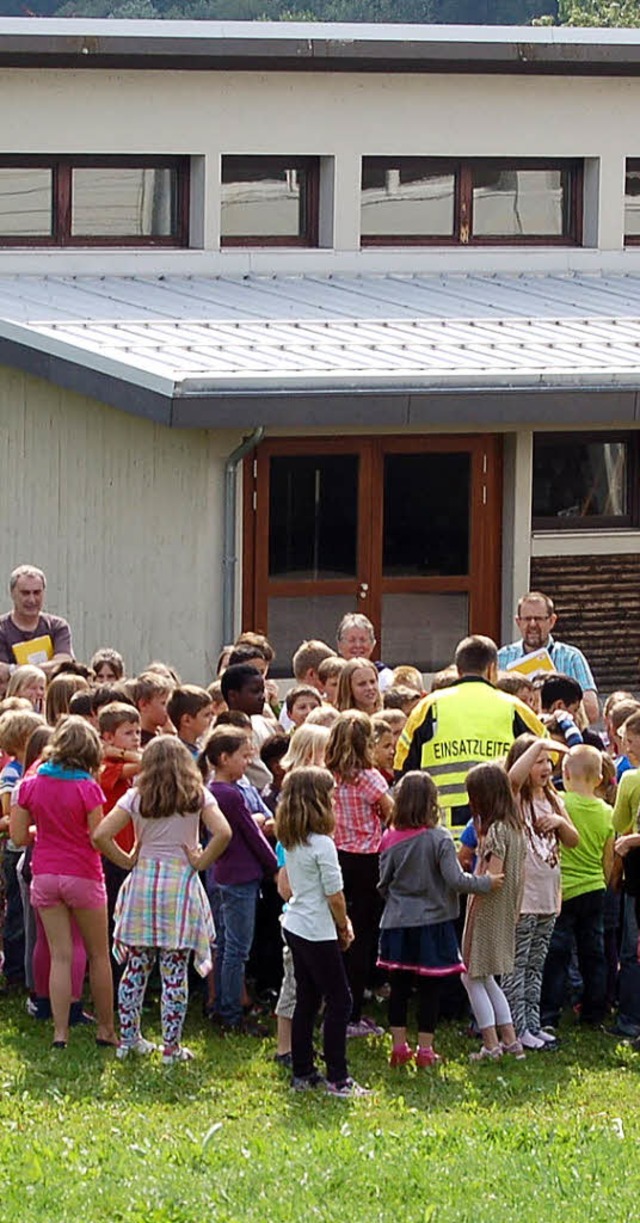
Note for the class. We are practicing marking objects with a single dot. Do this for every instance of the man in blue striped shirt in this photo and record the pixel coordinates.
(535, 620)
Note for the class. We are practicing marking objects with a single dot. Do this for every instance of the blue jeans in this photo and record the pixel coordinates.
(628, 1020)
(581, 918)
(234, 910)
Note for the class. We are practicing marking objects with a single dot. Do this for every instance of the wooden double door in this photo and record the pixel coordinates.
(404, 529)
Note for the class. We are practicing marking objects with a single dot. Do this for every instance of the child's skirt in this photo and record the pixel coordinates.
(429, 951)
(162, 904)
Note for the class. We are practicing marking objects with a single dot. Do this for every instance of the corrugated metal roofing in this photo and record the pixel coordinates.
(194, 335)
(189, 348)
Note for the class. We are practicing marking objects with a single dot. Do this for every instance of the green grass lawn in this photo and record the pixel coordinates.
(87, 1139)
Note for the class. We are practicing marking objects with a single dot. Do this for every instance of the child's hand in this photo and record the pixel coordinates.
(623, 845)
(269, 827)
(194, 855)
(496, 882)
(548, 823)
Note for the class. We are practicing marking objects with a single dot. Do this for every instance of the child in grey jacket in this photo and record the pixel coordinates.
(420, 881)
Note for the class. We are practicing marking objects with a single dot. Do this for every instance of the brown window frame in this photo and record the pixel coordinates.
(62, 167)
(596, 522)
(310, 168)
(632, 163)
(462, 234)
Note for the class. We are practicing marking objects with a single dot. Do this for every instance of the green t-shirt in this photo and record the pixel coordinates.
(581, 867)
(625, 812)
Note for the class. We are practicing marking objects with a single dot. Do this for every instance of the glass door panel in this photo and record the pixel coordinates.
(423, 629)
(313, 517)
(427, 502)
(296, 619)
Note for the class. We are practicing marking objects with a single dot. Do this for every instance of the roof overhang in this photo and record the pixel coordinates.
(335, 351)
(316, 47)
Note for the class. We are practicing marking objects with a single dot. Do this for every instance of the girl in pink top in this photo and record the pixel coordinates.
(361, 803)
(64, 801)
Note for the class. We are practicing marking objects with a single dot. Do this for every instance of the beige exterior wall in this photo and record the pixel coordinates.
(208, 114)
(124, 516)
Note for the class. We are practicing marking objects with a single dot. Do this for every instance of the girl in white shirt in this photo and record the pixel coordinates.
(316, 927)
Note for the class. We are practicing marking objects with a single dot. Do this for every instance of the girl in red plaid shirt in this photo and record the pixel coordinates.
(362, 805)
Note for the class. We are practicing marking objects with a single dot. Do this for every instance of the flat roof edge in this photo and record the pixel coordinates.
(40, 42)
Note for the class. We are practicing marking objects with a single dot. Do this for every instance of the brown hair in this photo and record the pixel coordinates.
(150, 684)
(334, 665)
(110, 658)
(622, 712)
(259, 640)
(399, 696)
(301, 690)
(345, 697)
(187, 701)
(517, 749)
(633, 723)
(539, 597)
(491, 797)
(305, 806)
(513, 682)
(74, 744)
(36, 744)
(350, 747)
(475, 655)
(116, 714)
(16, 727)
(169, 782)
(416, 801)
(223, 741)
(59, 693)
(380, 727)
(309, 656)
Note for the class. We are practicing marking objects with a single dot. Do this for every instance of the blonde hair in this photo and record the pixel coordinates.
(323, 715)
(305, 806)
(16, 728)
(350, 747)
(22, 677)
(59, 693)
(345, 698)
(307, 746)
(408, 677)
(584, 763)
(395, 719)
(75, 744)
(169, 781)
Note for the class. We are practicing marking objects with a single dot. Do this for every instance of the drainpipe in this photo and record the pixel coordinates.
(229, 558)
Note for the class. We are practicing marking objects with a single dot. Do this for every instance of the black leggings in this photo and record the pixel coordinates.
(360, 873)
(319, 972)
(428, 990)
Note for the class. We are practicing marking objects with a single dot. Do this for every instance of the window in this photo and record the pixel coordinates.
(585, 480)
(270, 201)
(632, 201)
(416, 200)
(84, 201)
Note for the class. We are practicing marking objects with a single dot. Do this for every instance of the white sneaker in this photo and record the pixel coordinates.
(140, 1046)
(547, 1038)
(529, 1041)
(177, 1055)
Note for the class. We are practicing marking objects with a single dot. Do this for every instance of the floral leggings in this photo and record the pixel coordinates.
(174, 965)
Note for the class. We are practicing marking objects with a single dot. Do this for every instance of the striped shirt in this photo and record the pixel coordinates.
(567, 660)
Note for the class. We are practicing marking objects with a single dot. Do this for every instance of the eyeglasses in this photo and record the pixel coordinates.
(534, 619)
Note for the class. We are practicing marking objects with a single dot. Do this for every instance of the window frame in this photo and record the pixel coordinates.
(631, 163)
(310, 166)
(462, 169)
(592, 522)
(62, 167)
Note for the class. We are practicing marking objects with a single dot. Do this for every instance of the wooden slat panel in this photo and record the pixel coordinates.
(597, 599)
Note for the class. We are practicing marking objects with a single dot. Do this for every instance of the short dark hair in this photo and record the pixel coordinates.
(560, 688)
(539, 597)
(294, 694)
(81, 703)
(244, 652)
(221, 742)
(475, 655)
(187, 700)
(235, 678)
(274, 748)
(116, 714)
(233, 717)
(106, 694)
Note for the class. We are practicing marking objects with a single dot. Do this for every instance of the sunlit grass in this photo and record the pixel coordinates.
(84, 1137)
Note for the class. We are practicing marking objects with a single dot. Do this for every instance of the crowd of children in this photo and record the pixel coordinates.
(148, 822)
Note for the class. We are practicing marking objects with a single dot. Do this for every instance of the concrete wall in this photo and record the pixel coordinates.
(208, 114)
(124, 516)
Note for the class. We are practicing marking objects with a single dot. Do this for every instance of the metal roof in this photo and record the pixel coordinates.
(213, 351)
(316, 46)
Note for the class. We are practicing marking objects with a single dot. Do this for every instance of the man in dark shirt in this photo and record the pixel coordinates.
(51, 635)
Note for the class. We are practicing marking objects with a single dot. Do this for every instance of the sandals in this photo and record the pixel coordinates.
(484, 1054)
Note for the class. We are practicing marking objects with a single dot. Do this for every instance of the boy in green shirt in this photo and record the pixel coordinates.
(585, 871)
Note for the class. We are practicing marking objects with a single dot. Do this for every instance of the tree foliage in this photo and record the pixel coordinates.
(482, 12)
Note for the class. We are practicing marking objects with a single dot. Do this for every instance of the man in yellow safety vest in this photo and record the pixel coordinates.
(469, 723)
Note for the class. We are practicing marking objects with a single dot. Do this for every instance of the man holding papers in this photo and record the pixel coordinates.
(27, 634)
(535, 620)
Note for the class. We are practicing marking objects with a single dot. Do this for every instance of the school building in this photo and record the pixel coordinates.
(302, 319)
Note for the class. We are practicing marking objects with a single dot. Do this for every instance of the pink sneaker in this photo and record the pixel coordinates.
(400, 1055)
(426, 1056)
